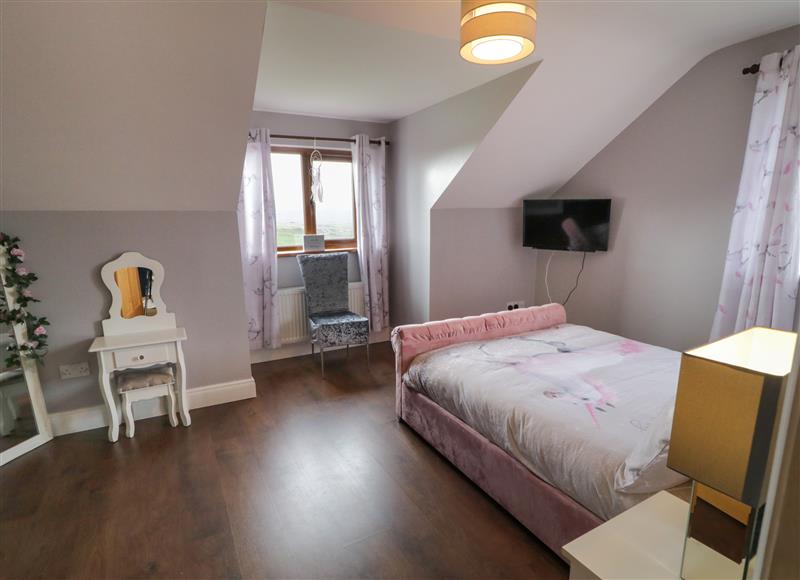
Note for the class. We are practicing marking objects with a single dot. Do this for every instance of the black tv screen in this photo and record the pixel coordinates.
(579, 225)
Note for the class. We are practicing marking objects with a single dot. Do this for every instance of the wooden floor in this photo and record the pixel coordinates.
(313, 479)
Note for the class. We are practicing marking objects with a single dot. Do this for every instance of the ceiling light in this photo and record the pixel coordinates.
(497, 32)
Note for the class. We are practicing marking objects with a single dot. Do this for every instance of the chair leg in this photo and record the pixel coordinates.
(127, 411)
(367, 353)
(322, 360)
(312, 349)
(347, 351)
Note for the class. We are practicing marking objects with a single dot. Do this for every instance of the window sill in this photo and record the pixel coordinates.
(291, 253)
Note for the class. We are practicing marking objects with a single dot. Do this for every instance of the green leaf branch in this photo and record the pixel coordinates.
(18, 279)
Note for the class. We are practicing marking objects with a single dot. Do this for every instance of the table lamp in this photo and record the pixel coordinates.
(729, 394)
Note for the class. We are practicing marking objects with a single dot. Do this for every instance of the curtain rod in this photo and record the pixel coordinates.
(308, 138)
(754, 68)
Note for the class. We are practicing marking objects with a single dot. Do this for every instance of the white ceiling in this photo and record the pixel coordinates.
(603, 64)
(373, 60)
(381, 60)
(432, 17)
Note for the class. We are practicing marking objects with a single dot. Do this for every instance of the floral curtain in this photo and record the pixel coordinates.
(762, 268)
(369, 183)
(258, 239)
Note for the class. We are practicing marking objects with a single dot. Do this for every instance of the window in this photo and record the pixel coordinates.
(297, 213)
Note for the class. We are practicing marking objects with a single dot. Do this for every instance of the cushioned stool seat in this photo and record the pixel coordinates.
(138, 385)
(131, 380)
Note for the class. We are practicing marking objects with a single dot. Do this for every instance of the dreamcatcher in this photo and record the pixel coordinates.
(316, 171)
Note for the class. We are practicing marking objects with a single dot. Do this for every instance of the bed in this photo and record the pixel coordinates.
(563, 425)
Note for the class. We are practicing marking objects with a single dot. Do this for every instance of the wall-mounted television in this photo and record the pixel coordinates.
(578, 225)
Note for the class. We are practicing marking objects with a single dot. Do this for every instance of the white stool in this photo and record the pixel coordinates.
(146, 384)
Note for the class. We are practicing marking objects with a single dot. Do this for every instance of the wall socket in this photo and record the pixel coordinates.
(515, 304)
(74, 371)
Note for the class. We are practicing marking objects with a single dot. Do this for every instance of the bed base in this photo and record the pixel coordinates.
(550, 514)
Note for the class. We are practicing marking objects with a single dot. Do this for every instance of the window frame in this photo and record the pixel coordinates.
(309, 206)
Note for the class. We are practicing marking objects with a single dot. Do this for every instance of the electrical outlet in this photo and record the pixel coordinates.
(515, 304)
(74, 371)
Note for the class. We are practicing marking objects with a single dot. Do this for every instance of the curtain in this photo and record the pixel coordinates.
(762, 267)
(259, 244)
(369, 186)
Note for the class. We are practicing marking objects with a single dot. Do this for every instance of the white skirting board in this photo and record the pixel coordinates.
(87, 418)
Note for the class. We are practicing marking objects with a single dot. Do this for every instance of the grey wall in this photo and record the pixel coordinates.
(428, 150)
(673, 175)
(478, 263)
(126, 105)
(288, 270)
(202, 286)
(137, 108)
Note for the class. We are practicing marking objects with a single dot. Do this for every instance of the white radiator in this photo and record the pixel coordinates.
(292, 305)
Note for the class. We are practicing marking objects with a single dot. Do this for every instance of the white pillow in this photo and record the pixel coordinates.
(645, 469)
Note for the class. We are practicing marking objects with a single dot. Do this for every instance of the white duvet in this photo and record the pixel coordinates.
(569, 402)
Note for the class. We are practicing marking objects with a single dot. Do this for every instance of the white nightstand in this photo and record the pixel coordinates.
(645, 542)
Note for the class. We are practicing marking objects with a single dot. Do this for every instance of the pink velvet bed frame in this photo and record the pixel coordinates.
(547, 512)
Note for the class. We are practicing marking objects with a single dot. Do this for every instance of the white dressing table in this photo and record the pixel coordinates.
(139, 334)
(135, 351)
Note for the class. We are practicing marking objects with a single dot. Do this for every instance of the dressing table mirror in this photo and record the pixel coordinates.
(139, 335)
(136, 289)
(24, 423)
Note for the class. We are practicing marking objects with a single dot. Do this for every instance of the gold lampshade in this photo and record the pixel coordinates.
(729, 394)
(725, 408)
(495, 32)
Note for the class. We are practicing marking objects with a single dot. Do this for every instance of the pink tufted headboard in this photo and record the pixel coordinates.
(413, 339)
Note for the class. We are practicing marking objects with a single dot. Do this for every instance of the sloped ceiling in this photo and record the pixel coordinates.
(603, 64)
(368, 60)
(126, 105)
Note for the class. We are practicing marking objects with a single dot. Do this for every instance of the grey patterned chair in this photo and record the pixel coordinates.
(330, 323)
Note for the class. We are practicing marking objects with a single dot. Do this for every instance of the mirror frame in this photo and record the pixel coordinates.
(30, 371)
(115, 324)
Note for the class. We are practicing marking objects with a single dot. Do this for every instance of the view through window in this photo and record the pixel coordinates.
(295, 210)
(287, 178)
